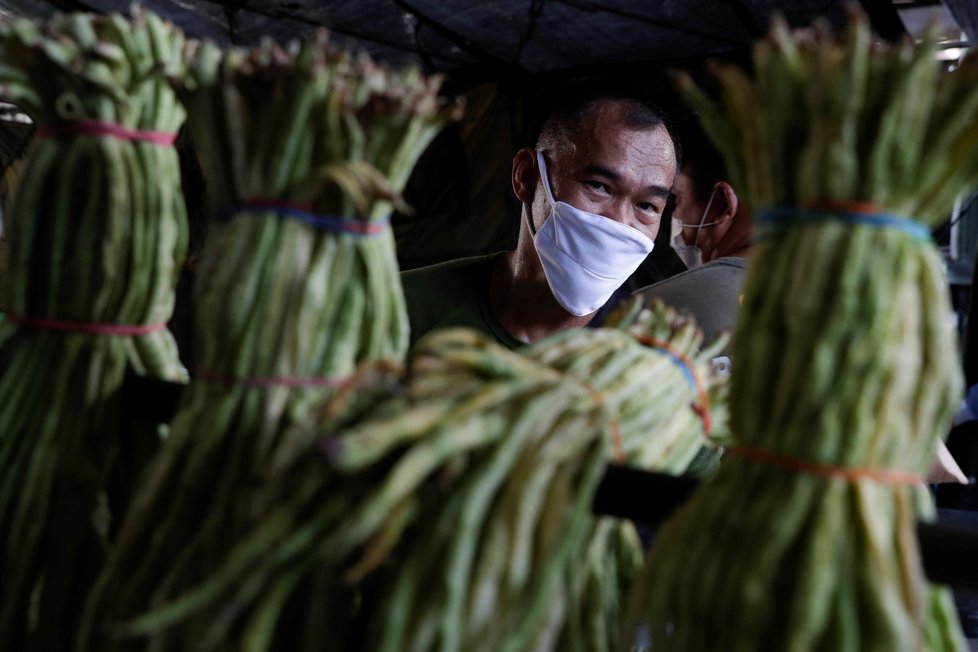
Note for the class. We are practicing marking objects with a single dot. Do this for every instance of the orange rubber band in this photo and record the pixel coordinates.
(852, 474)
(616, 443)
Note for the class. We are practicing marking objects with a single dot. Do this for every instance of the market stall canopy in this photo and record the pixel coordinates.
(497, 53)
(530, 35)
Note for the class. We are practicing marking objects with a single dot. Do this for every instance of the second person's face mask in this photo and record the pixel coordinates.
(690, 254)
(585, 257)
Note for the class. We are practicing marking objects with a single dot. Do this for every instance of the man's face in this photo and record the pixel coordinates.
(613, 170)
(688, 209)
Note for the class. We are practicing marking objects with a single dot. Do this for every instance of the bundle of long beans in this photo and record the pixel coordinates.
(645, 362)
(95, 235)
(655, 382)
(449, 506)
(304, 151)
(425, 467)
(656, 378)
(846, 371)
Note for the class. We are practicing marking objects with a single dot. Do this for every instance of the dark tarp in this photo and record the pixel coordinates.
(448, 35)
(497, 53)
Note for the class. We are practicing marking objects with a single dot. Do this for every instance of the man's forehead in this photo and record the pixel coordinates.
(604, 141)
(683, 192)
(683, 184)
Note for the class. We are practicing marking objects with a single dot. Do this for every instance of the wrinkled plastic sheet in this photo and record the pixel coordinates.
(535, 36)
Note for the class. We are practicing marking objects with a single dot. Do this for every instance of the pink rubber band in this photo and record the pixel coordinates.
(87, 328)
(96, 128)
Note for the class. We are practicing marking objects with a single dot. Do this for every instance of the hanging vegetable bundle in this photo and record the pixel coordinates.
(449, 506)
(845, 372)
(305, 151)
(95, 235)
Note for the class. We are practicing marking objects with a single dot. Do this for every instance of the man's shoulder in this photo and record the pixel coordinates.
(453, 293)
(736, 262)
(459, 276)
(710, 292)
(731, 267)
(448, 269)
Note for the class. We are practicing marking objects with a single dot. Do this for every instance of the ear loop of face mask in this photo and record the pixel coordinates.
(703, 222)
(545, 181)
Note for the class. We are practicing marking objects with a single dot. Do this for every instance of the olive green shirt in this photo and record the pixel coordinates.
(455, 293)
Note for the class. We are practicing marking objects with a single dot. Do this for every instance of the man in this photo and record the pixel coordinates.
(593, 191)
(712, 232)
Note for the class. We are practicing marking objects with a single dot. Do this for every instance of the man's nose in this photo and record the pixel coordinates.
(620, 212)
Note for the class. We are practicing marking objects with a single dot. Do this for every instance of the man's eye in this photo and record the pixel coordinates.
(596, 185)
(648, 207)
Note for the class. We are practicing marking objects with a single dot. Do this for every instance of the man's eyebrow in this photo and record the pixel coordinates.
(660, 191)
(600, 170)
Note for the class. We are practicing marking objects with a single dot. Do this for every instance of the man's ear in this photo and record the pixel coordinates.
(730, 202)
(525, 175)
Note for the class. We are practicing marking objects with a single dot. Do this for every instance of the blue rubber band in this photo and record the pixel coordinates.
(777, 219)
(682, 366)
(323, 222)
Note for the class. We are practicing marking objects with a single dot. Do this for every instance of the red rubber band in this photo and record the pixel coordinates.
(87, 328)
(702, 409)
(97, 128)
(269, 381)
(852, 474)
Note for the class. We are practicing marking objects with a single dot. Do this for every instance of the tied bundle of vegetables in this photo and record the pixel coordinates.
(652, 380)
(95, 235)
(428, 466)
(845, 369)
(657, 381)
(647, 372)
(645, 362)
(452, 508)
(305, 150)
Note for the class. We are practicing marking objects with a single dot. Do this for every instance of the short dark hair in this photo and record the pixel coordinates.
(568, 105)
(702, 162)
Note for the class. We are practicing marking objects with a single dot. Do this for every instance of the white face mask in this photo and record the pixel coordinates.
(586, 257)
(690, 254)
